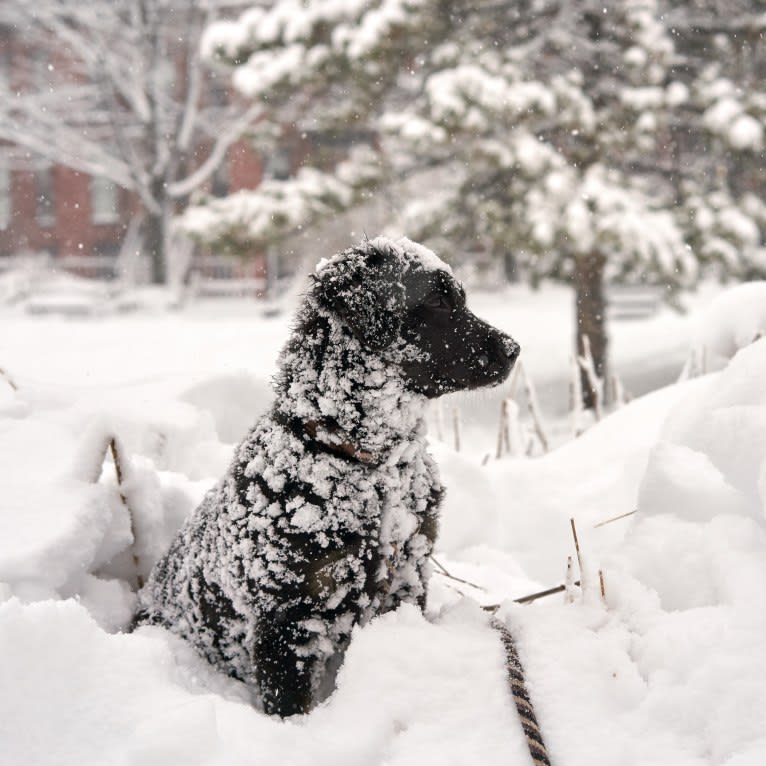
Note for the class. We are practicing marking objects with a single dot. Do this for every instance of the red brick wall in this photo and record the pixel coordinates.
(72, 230)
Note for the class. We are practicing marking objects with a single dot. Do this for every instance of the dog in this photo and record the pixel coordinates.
(327, 515)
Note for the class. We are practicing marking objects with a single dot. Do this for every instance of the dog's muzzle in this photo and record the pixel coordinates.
(501, 353)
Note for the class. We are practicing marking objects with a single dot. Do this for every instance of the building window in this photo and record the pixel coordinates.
(220, 186)
(5, 194)
(278, 165)
(104, 200)
(45, 209)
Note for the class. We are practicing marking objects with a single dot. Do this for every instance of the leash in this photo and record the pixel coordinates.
(521, 698)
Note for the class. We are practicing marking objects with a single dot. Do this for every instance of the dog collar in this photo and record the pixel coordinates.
(341, 445)
(347, 448)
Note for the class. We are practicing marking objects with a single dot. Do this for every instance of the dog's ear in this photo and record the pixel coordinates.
(363, 287)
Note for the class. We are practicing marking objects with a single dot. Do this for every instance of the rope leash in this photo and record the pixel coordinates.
(521, 698)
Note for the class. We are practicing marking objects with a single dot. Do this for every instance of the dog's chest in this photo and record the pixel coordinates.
(404, 490)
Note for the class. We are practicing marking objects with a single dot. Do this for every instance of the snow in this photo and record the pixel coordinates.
(732, 321)
(668, 671)
(253, 216)
(727, 117)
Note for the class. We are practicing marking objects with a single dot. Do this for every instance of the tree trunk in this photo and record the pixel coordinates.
(154, 246)
(510, 267)
(591, 317)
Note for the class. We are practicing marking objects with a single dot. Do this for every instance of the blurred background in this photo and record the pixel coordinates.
(590, 170)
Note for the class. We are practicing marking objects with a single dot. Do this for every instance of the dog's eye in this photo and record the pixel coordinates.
(438, 301)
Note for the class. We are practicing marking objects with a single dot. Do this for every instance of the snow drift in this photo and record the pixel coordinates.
(669, 670)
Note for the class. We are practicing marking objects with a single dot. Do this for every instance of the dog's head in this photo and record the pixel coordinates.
(399, 299)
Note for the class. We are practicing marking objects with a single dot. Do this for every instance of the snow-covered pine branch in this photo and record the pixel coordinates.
(250, 219)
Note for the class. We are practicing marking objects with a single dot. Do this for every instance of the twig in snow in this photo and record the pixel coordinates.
(439, 419)
(529, 451)
(509, 439)
(485, 459)
(542, 594)
(601, 584)
(534, 408)
(687, 371)
(118, 469)
(515, 438)
(456, 427)
(579, 554)
(8, 379)
(614, 518)
(514, 381)
(443, 571)
(503, 439)
(619, 395)
(575, 397)
(531, 597)
(569, 581)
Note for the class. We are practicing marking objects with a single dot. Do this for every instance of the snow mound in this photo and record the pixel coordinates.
(669, 669)
(733, 320)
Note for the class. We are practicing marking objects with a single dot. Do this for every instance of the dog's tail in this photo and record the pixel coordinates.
(521, 698)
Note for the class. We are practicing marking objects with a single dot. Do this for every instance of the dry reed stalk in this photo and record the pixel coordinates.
(118, 469)
(619, 396)
(532, 596)
(614, 518)
(569, 581)
(579, 553)
(601, 585)
(503, 435)
(439, 419)
(534, 407)
(443, 571)
(513, 381)
(456, 427)
(8, 379)
(575, 397)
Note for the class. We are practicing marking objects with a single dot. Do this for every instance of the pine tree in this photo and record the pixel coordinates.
(562, 134)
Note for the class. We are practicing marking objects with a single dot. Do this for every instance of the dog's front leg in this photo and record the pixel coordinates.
(312, 626)
(284, 669)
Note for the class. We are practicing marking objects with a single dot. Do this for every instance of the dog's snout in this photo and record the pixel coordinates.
(503, 352)
(512, 349)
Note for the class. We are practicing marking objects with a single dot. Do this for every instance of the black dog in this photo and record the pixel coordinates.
(327, 515)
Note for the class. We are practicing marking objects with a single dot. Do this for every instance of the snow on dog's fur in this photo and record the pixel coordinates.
(327, 515)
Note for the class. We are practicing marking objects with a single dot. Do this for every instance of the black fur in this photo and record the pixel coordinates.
(328, 513)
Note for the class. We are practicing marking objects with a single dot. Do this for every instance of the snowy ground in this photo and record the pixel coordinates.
(670, 670)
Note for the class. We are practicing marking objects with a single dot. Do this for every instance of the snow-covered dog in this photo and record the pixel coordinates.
(328, 513)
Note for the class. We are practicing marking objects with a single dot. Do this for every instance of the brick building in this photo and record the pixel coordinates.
(56, 210)
(62, 212)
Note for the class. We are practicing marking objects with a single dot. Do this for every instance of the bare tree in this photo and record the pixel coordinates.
(116, 89)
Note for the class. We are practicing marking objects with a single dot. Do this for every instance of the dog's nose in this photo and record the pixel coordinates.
(512, 349)
(502, 352)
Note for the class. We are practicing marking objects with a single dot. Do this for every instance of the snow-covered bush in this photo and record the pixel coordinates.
(733, 320)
